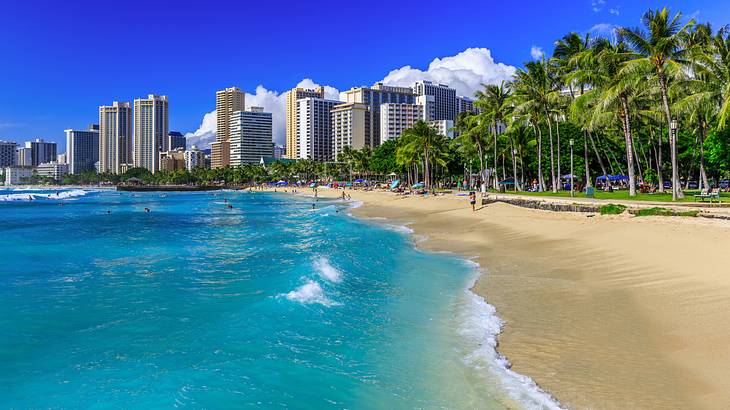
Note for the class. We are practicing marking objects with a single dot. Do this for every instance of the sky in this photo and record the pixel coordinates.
(60, 60)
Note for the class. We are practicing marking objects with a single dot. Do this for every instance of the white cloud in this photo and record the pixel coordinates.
(597, 5)
(272, 101)
(614, 10)
(603, 29)
(536, 52)
(466, 72)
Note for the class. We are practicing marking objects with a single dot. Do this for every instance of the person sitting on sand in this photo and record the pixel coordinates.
(473, 200)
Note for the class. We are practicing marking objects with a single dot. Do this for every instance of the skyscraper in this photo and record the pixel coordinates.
(41, 151)
(314, 128)
(251, 136)
(227, 102)
(396, 118)
(374, 97)
(82, 149)
(150, 131)
(350, 127)
(176, 140)
(115, 137)
(294, 95)
(7, 154)
(445, 105)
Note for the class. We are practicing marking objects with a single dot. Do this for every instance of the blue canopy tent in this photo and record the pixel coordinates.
(359, 181)
(394, 184)
(418, 185)
(613, 178)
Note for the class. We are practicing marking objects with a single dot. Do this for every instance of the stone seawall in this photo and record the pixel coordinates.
(543, 205)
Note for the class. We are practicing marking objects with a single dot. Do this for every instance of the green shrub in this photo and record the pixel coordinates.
(612, 209)
(664, 212)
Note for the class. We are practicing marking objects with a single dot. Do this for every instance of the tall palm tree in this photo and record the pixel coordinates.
(661, 51)
(421, 137)
(472, 137)
(493, 101)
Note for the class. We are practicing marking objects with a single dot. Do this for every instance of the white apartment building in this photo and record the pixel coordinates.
(194, 158)
(251, 134)
(396, 118)
(150, 131)
(443, 127)
(314, 128)
(18, 175)
(350, 127)
(82, 150)
(53, 170)
(445, 105)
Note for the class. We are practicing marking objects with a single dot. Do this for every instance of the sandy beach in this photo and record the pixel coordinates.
(604, 312)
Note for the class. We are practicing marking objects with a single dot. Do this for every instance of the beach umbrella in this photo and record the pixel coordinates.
(359, 181)
(313, 185)
(394, 184)
(508, 181)
(418, 185)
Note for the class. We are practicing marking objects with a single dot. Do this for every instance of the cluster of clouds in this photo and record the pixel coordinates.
(465, 71)
(599, 5)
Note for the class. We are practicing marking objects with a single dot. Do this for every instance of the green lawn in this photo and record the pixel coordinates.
(623, 195)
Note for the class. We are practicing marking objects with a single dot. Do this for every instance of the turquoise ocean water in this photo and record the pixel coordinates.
(269, 304)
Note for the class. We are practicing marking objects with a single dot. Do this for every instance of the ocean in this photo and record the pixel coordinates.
(266, 303)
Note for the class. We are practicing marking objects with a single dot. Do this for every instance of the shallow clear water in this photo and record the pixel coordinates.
(268, 304)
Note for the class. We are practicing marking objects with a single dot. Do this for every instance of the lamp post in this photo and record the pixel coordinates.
(571, 167)
(673, 146)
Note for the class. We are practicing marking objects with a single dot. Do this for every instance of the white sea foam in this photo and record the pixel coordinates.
(325, 269)
(480, 326)
(43, 195)
(310, 292)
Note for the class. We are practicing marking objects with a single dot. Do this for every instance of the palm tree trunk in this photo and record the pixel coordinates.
(676, 189)
(585, 157)
(600, 161)
(629, 145)
(703, 172)
(553, 185)
(514, 166)
(481, 165)
(494, 132)
(540, 178)
(557, 129)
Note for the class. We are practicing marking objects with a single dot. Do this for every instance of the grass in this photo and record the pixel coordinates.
(622, 195)
(656, 211)
(612, 209)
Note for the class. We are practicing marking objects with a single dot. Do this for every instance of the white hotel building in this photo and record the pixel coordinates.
(396, 118)
(350, 127)
(314, 128)
(150, 131)
(251, 136)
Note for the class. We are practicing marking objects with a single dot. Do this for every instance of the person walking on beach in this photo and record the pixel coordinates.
(473, 200)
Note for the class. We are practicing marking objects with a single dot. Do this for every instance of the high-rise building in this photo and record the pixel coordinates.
(279, 151)
(464, 104)
(294, 95)
(396, 118)
(374, 97)
(227, 102)
(194, 158)
(176, 140)
(115, 137)
(350, 127)
(41, 151)
(24, 157)
(18, 175)
(172, 160)
(429, 106)
(444, 99)
(314, 128)
(443, 127)
(7, 154)
(82, 149)
(150, 131)
(251, 136)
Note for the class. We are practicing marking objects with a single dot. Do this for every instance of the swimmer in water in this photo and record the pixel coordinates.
(230, 206)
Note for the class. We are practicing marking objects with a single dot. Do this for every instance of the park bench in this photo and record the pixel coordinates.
(704, 194)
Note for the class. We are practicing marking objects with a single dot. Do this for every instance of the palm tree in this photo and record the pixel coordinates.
(426, 140)
(472, 137)
(660, 50)
(493, 100)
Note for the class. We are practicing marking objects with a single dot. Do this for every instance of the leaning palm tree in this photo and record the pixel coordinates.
(660, 51)
(472, 138)
(493, 101)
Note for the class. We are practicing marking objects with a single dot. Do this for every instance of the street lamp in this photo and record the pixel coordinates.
(571, 167)
(673, 146)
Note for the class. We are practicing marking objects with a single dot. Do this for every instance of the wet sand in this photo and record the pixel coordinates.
(604, 312)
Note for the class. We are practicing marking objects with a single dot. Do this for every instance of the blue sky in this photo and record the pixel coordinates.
(60, 60)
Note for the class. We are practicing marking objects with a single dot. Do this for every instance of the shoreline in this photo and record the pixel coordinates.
(595, 326)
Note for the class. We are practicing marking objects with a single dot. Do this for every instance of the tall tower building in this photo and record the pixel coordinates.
(115, 137)
(396, 118)
(227, 102)
(150, 131)
(82, 149)
(350, 127)
(7, 154)
(314, 128)
(374, 97)
(295, 94)
(251, 136)
(445, 104)
(41, 151)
